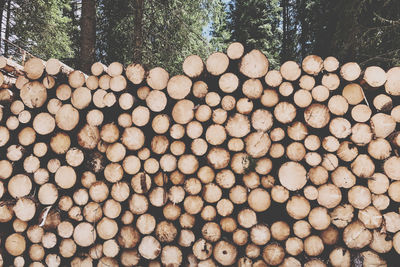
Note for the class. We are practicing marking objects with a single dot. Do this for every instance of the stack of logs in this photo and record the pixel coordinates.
(230, 164)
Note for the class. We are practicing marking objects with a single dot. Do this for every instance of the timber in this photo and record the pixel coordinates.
(228, 163)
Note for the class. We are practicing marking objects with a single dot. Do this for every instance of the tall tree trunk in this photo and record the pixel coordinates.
(304, 29)
(138, 31)
(88, 34)
(75, 61)
(284, 51)
(2, 4)
(7, 26)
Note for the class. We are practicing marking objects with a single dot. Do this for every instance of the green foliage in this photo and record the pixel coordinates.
(42, 27)
(220, 29)
(171, 31)
(256, 24)
(368, 32)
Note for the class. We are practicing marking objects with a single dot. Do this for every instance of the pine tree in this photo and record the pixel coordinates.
(368, 31)
(256, 24)
(88, 35)
(42, 27)
(220, 31)
(170, 31)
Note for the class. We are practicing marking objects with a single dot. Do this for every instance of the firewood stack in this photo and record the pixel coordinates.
(228, 164)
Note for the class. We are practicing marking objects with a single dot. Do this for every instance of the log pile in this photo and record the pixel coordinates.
(228, 164)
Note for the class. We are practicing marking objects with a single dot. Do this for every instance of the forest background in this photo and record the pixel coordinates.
(163, 32)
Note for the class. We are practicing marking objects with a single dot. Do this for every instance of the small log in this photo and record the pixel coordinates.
(290, 71)
(76, 79)
(383, 102)
(15, 244)
(302, 228)
(21, 81)
(141, 116)
(179, 87)
(340, 257)
(298, 207)
(374, 76)
(115, 69)
(254, 64)
(98, 68)
(212, 99)
(171, 256)
(33, 94)
(361, 113)
(200, 89)
(228, 82)
(273, 78)
(225, 253)
(12, 123)
(313, 246)
(54, 67)
(331, 64)
(280, 230)
(320, 93)
(118, 83)
(193, 66)
(312, 64)
(319, 218)
(217, 63)
(288, 171)
(356, 236)
(135, 73)
(84, 234)
(317, 116)
(104, 81)
(269, 98)
(392, 85)
(350, 71)
(92, 82)
(34, 68)
(286, 89)
(285, 112)
(307, 82)
(125, 120)
(157, 78)
(330, 81)
(389, 167)
(235, 50)
(302, 98)
(24, 116)
(53, 106)
(382, 125)
(67, 117)
(24, 135)
(65, 177)
(273, 254)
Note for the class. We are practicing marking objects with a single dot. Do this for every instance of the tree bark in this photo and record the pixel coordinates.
(7, 26)
(2, 5)
(304, 28)
(88, 34)
(284, 51)
(138, 32)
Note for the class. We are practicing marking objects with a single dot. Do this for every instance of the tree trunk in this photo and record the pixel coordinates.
(88, 34)
(303, 25)
(7, 26)
(138, 32)
(285, 30)
(2, 5)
